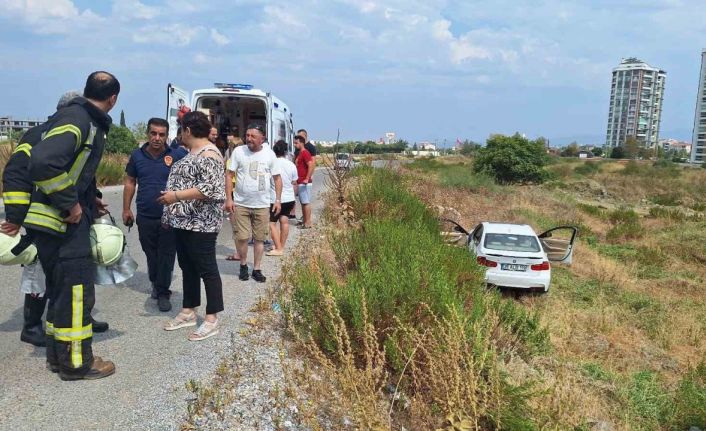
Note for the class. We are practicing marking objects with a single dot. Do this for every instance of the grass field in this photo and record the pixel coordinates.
(401, 332)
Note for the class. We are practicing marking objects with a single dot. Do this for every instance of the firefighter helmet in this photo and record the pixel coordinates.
(107, 243)
(7, 243)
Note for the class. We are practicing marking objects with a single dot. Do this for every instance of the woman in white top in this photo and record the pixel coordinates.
(288, 172)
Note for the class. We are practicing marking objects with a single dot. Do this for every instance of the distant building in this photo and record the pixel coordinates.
(636, 95)
(674, 145)
(698, 138)
(9, 125)
(426, 146)
(390, 138)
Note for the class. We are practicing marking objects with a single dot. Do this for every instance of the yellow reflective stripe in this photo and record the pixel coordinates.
(44, 221)
(56, 184)
(71, 334)
(67, 128)
(76, 324)
(82, 158)
(78, 165)
(50, 328)
(16, 198)
(26, 148)
(45, 210)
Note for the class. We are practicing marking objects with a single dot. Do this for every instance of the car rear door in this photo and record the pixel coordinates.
(558, 243)
(176, 99)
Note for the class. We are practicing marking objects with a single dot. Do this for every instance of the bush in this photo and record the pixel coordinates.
(512, 159)
(617, 153)
(462, 177)
(626, 225)
(120, 140)
(690, 400)
(111, 170)
(588, 168)
(422, 299)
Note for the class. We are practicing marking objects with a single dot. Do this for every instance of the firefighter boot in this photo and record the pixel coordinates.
(99, 369)
(99, 326)
(32, 330)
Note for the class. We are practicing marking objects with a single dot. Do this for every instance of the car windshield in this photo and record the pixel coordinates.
(342, 157)
(508, 242)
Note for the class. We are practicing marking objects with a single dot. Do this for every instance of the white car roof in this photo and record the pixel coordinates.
(509, 228)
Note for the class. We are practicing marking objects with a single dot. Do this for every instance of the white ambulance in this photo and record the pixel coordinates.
(231, 108)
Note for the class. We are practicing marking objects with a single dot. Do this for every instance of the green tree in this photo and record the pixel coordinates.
(572, 150)
(597, 151)
(631, 147)
(414, 147)
(469, 148)
(139, 131)
(122, 118)
(120, 140)
(617, 153)
(512, 159)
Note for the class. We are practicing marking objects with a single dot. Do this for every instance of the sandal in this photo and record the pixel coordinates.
(207, 329)
(233, 257)
(182, 320)
(275, 252)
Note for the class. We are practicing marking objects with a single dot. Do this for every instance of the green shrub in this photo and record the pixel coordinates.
(111, 170)
(425, 164)
(670, 199)
(120, 140)
(588, 168)
(512, 159)
(463, 177)
(591, 210)
(598, 373)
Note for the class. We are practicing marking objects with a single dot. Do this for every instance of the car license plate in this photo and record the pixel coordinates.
(513, 267)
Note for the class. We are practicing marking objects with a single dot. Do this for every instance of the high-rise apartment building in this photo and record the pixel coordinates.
(636, 96)
(698, 139)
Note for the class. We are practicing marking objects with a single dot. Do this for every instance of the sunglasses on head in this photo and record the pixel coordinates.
(257, 127)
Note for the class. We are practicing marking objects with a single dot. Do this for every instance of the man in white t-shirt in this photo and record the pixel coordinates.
(252, 165)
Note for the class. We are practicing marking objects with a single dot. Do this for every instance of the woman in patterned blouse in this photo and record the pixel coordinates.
(194, 209)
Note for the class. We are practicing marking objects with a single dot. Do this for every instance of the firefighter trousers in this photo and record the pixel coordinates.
(70, 275)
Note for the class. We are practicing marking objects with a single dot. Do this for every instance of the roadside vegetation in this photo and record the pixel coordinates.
(627, 321)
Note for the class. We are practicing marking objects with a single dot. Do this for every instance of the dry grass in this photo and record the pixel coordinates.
(604, 310)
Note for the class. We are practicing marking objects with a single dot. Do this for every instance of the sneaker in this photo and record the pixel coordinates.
(257, 276)
(275, 252)
(181, 320)
(98, 370)
(244, 276)
(207, 329)
(163, 303)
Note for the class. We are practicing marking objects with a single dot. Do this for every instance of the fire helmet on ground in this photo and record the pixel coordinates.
(106, 243)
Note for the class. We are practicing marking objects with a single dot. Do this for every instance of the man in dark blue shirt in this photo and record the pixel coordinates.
(147, 171)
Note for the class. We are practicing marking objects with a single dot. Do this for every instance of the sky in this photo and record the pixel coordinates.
(428, 70)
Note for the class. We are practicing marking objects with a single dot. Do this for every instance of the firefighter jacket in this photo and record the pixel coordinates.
(16, 185)
(63, 165)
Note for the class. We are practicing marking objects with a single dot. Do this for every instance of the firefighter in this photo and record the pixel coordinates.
(17, 189)
(65, 201)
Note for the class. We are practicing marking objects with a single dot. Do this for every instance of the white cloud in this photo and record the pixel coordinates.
(171, 35)
(133, 9)
(49, 16)
(201, 58)
(219, 38)
(461, 48)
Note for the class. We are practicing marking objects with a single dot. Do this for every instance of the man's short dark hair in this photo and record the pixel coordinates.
(197, 122)
(257, 127)
(303, 130)
(280, 148)
(159, 122)
(300, 139)
(101, 86)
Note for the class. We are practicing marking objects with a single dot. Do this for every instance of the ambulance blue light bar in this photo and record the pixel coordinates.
(233, 86)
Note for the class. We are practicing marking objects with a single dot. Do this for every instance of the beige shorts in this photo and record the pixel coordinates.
(251, 223)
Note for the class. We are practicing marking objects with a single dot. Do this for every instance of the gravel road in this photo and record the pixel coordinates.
(148, 390)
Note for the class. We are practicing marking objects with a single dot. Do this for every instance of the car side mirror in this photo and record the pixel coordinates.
(459, 229)
(547, 235)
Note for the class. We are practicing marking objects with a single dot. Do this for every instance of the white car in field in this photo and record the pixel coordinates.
(344, 161)
(516, 257)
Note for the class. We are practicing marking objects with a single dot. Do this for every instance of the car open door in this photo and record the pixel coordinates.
(176, 99)
(558, 243)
